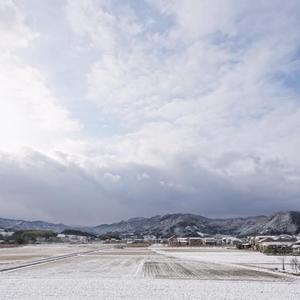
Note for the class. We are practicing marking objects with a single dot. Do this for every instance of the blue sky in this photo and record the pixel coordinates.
(135, 108)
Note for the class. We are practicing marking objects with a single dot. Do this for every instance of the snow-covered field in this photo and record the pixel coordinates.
(17, 255)
(140, 273)
(249, 258)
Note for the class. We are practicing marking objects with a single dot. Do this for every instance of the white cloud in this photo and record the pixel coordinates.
(14, 33)
(112, 177)
(195, 100)
(30, 114)
(216, 88)
(93, 20)
(85, 19)
(143, 176)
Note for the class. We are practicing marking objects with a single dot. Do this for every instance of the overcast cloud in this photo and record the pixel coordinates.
(115, 109)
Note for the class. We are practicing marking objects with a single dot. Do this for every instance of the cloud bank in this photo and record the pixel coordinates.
(113, 111)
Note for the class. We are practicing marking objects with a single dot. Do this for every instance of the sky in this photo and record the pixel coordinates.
(116, 109)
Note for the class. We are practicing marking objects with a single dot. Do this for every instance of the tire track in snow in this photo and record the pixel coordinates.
(45, 261)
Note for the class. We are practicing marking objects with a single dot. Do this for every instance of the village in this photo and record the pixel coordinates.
(268, 244)
(283, 244)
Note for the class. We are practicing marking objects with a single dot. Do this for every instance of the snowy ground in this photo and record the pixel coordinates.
(140, 273)
(251, 259)
(22, 254)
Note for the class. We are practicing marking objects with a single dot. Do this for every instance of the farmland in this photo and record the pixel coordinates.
(96, 271)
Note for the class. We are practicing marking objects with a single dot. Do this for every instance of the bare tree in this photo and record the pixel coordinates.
(295, 264)
(283, 262)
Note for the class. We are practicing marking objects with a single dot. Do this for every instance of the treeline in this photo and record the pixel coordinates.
(29, 236)
(78, 232)
(21, 237)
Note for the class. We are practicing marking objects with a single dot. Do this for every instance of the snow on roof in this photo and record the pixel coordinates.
(201, 233)
(260, 237)
(211, 239)
(277, 243)
(265, 240)
(182, 239)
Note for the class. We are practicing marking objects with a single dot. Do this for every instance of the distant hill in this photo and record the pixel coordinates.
(189, 224)
(180, 224)
(38, 225)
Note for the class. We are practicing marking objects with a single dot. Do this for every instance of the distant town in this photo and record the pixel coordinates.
(269, 244)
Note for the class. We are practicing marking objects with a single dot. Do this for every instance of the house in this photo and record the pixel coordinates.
(275, 247)
(296, 249)
(70, 238)
(257, 240)
(174, 241)
(182, 241)
(195, 241)
(233, 241)
(137, 243)
(274, 244)
(268, 239)
(150, 237)
(210, 241)
(263, 242)
(6, 233)
(243, 246)
(286, 238)
(219, 241)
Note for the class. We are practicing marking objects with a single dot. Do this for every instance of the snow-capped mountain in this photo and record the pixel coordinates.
(180, 224)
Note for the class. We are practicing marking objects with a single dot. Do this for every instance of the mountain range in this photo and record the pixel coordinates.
(180, 225)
